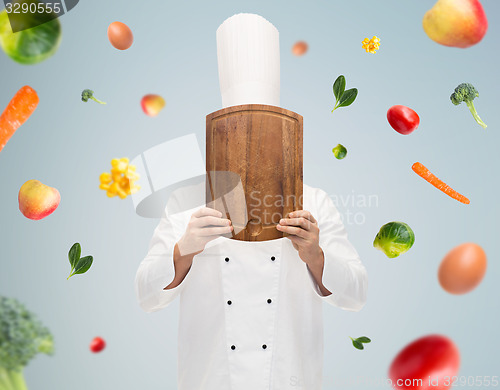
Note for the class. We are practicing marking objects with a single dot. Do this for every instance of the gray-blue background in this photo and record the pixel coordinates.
(67, 144)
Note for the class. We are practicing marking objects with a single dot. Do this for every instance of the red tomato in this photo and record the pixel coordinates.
(97, 345)
(428, 363)
(403, 119)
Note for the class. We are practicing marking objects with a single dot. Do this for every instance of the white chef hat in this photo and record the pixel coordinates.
(249, 61)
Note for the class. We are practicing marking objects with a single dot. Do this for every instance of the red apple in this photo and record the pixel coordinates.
(36, 200)
(456, 23)
(152, 104)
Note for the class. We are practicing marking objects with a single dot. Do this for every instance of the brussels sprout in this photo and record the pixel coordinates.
(339, 151)
(32, 45)
(394, 239)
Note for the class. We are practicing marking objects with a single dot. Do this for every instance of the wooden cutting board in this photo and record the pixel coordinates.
(254, 166)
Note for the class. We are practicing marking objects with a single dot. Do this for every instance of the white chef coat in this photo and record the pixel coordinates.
(251, 312)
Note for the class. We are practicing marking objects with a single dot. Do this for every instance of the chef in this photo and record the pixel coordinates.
(251, 312)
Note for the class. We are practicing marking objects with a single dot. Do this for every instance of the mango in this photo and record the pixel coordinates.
(456, 23)
(37, 200)
(152, 104)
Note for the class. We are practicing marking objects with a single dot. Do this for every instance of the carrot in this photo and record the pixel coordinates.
(17, 112)
(424, 173)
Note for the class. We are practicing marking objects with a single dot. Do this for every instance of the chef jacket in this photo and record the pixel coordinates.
(251, 312)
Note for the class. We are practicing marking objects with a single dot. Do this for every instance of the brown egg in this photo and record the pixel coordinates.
(300, 48)
(120, 35)
(462, 269)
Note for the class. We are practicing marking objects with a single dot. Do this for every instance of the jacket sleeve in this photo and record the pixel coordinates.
(157, 270)
(343, 273)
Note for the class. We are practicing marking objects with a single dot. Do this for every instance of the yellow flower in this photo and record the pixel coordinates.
(120, 181)
(371, 45)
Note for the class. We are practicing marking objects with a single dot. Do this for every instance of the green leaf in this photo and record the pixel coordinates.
(357, 344)
(74, 254)
(83, 265)
(348, 97)
(339, 87)
(363, 339)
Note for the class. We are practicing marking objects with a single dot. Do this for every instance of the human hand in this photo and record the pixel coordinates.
(205, 225)
(303, 231)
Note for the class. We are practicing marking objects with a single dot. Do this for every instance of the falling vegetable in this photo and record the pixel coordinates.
(78, 265)
(428, 363)
(394, 239)
(343, 98)
(466, 92)
(89, 94)
(33, 44)
(121, 180)
(339, 151)
(371, 45)
(403, 119)
(358, 343)
(19, 109)
(97, 345)
(425, 174)
(22, 337)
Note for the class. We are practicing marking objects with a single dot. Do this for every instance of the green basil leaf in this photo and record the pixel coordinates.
(363, 339)
(83, 265)
(357, 344)
(339, 87)
(74, 254)
(348, 97)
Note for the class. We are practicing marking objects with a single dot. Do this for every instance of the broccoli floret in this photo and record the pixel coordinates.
(22, 336)
(466, 92)
(89, 94)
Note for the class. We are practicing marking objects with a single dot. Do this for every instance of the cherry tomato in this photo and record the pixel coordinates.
(428, 363)
(403, 119)
(97, 345)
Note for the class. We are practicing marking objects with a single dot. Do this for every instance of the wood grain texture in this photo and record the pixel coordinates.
(254, 165)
